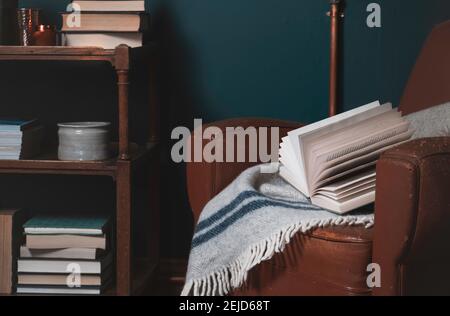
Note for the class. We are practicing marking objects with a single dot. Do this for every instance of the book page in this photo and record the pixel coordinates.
(326, 158)
(343, 185)
(328, 143)
(346, 205)
(346, 174)
(350, 164)
(350, 192)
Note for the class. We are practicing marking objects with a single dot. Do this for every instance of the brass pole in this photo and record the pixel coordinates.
(335, 14)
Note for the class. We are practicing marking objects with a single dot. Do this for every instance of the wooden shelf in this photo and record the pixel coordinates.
(130, 157)
(48, 163)
(117, 57)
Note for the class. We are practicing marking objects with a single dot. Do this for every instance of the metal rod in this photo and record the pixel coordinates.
(335, 14)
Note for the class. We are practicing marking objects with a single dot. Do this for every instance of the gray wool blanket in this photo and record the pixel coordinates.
(247, 223)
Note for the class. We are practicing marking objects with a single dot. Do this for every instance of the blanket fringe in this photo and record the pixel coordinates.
(233, 276)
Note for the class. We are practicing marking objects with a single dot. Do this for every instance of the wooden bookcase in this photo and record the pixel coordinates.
(132, 275)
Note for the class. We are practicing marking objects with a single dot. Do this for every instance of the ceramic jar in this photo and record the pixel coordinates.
(84, 141)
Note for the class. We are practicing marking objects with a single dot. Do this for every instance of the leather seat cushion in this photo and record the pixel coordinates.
(328, 261)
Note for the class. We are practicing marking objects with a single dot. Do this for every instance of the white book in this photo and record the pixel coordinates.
(110, 6)
(57, 279)
(49, 279)
(103, 40)
(64, 253)
(21, 145)
(63, 266)
(55, 290)
(65, 241)
(332, 161)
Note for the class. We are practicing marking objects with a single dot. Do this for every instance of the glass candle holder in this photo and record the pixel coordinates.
(28, 19)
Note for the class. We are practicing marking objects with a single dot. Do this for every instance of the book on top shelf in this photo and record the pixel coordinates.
(333, 161)
(110, 6)
(104, 40)
(107, 22)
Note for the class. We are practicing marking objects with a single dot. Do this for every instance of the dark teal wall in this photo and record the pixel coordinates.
(223, 59)
(270, 57)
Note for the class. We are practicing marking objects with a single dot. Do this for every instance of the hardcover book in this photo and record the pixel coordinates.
(54, 279)
(64, 253)
(16, 125)
(61, 266)
(65, 241)
(107, 22)
(110, 6)
(103, 40)
(79, 225)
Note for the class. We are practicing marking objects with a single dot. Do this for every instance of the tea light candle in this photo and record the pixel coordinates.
(45, 35)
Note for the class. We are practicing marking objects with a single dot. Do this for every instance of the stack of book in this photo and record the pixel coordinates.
(20, 139)
(105, 24)
(65, 255)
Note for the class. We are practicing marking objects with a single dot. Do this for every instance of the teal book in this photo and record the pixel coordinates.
(16, 125)
(67, 225)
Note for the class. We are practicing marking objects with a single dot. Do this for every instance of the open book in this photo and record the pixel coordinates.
(333, 161)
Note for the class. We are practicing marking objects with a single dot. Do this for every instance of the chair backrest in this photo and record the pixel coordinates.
(206, 179)
(429, 82)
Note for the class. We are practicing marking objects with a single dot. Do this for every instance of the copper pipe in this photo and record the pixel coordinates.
(334, 14)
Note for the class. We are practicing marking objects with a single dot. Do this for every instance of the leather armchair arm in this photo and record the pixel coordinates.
(412, 218)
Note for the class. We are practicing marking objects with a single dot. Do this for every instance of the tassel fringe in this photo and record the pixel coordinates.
(233, 276)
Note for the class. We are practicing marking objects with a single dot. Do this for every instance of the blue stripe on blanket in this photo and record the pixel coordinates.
(240, 213)
(236, 202)
(225, 210)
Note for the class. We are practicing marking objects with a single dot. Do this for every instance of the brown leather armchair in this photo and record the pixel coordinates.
(412, 210)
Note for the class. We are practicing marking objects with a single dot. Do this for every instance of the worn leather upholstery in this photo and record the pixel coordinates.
(412, 213)
(205, 180)
(412, 217)
(429, 83)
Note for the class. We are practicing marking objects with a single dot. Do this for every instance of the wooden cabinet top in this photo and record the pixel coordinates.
(121, 57)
